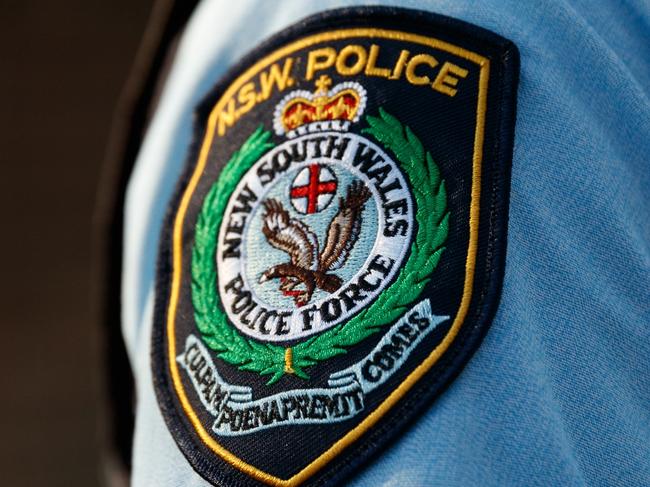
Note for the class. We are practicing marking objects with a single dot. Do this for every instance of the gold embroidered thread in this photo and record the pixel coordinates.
(288, 361)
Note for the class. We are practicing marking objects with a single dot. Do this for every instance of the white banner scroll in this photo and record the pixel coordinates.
(238, 413)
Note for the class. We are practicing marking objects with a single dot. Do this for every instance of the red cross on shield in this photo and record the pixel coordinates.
(313, 189)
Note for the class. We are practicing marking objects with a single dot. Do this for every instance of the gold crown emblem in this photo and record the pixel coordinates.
(335, 109)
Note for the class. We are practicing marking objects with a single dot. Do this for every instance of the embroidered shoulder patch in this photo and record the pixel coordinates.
(335, 252)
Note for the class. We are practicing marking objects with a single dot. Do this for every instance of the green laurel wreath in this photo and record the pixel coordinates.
(268, 359)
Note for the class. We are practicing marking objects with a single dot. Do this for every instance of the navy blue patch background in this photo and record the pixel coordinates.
(446, 126)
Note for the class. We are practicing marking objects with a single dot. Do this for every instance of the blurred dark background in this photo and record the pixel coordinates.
(63, 66)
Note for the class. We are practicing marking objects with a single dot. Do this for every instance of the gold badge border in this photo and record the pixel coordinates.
(354, 434)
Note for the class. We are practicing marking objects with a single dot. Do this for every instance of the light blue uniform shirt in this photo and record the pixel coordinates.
(559, 391)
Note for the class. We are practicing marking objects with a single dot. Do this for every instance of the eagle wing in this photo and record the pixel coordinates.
(290, 235)
(343, 231)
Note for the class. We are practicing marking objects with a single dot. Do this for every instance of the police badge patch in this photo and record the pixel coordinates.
(335, 252)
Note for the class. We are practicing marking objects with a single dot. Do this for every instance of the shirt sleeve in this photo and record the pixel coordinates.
(559, 391)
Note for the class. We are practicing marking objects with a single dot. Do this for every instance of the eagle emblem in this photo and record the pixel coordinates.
(309, 268)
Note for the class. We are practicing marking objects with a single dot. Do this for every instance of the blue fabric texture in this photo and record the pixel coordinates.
(559, 392)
